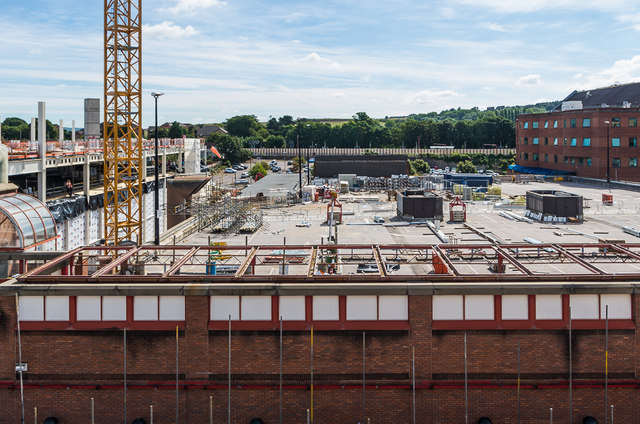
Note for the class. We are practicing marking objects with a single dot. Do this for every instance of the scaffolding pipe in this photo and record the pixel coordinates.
(20, 367)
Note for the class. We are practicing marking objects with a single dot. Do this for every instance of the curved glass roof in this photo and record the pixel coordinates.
(31, 218)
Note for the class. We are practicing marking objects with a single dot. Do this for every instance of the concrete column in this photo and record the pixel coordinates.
(33, 130)
(42, 143)
(86, 178)
(164, 162)
(180, 154)
(143, 171)
(73, 133)
(61, 132)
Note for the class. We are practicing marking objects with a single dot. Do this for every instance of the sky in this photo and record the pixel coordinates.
(216, 59)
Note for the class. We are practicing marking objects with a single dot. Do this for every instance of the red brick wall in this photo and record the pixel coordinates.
(91, 364)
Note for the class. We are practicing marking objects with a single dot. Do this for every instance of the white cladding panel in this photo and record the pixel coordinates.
(256, 308)
(619, 306)
(31, 308)
(114, 308)
(145, 308)
(224, 306)
(171, 308)
(88, 308)
(56, 308)
(548, 306)
(326, 308)
(393, 308)
(448, 307)
(292, 308)
(515, 306)
(362, 308)
(584, 306)
(478, 306)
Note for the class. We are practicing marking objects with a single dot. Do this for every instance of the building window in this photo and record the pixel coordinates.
(588, 161)
(615, 162)
(534, 124)
(573, 160)
(535, 140)
(526, 125)
(633, 142)
(158, 308)
(633, 162)
(555, 141)
(566, 160)
(101, 308)
(546, 140)
(633, 122)
(615, 142)
(555, 124)
(580, 161)
(564, 123)
(573, 122)
(526, 156)
(586, 123)
(565, 141)
(463, 307)
(574, 141)
(546, 157)
(535, 156)
(586, 142)
(555, 158)
(546, 124)
(615, 122)
(526, 140)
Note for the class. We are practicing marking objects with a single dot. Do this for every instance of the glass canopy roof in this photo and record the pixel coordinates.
(24, 221)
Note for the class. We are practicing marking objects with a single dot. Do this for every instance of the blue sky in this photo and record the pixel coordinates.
(215, 59)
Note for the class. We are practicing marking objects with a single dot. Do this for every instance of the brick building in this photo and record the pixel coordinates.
(582, 132)
(495, 344)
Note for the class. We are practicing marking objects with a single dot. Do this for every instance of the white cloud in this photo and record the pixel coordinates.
(431, 97)
(621, 72)
(530, 6)
(190, 6)
(316, 58)
(168, 29)
(339, 96)
(531, 79)
(493, 27)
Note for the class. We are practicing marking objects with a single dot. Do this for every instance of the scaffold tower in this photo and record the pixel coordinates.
(123, 157)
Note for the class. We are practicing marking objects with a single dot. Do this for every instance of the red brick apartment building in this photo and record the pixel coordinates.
(582, 132)
(452, 341)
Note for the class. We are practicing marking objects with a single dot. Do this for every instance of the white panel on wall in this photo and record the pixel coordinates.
(619, 306)
(478, 306)
(548, 306)
(393, 308)
(584, 306)
(515, 306)
(447, 307)
(223, 306)
(171, 308)
(88, 308)
(56, 308)
(145, 308)
(31, 308)
(256, 308)
(114, 308)
(326, 308)
(362, 308)
(292, 308)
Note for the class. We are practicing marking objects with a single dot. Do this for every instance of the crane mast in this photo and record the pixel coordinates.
(122, 132)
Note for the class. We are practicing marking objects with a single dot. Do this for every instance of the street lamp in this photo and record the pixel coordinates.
(608, 160)
(157, 193)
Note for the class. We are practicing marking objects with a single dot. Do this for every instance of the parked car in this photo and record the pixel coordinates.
(242, 181)
(303, 224)
(378, 219)
(373, 268)
(289, 163)
(237, 167)
(229, 171)
(244, 174)
(244, 166)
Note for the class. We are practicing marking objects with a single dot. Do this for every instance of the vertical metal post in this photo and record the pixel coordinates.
(210, 409)
(35, 415)
(280, 370)
(151, 413)
(156, 198)
(466, 384)
(229, 377)
(300, 175)
(518, 381)
(125, 374)
(570, 369)
(93, 412)
(611, 414)
(20, 360)
(606, 361)
(177, 377)
(308, 422)
(413, 375)
(608, 160)
(311, 415)
(551, 415)
(364, 367)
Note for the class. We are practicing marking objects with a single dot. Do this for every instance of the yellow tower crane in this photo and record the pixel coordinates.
(122, 132)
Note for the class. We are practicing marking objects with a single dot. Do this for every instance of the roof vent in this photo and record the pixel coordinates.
(587, 95)
(604, 105)
(626, 104)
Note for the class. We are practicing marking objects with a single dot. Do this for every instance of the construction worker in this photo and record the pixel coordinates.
(69, 186)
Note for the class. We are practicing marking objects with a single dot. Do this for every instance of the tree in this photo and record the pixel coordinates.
(229, 147)
(260, 168)
(176, 130)
(466, 167)
(274, 141)
(246, 126)
(420, 167)
(295, 163)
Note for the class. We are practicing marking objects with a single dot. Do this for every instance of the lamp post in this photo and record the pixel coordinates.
(607, 123)
(299, 166)
(156, 221)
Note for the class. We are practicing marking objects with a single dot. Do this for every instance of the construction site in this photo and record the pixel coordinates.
(157, 296)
